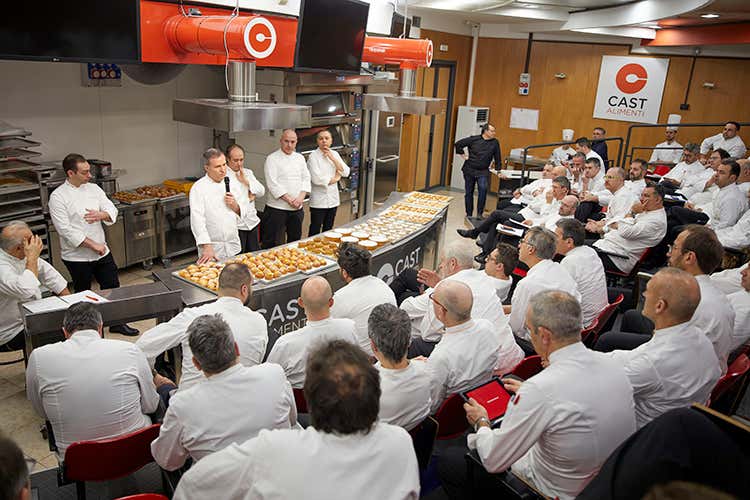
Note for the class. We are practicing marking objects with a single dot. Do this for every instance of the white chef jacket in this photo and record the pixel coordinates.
(545, 275)
(285, 174)
(540, 208)
(714, 317)
(619, 205)
(90, 388)
(229, 407)
(464, 358)
(291, 349)
(660, 155)
(67, 206)
(251, 219)
(594, 154)
(744, 187)
(734, 146)
(563, 423)
(248, 328)
(728, 206)
(405, 395)
(322, 170)
(729, 280)
(356, 301)
(309, 464)
(683, 171)
(212, 221)
(674, 369)
(18, 284)
(596, 185)
(561, 154)
(736, 236)
(527, 191)
(636, 187)
(696, 183)
(550, 222)
(633, 236)
(585, 267)
(740, 302)
(502, 287)
(705, 197)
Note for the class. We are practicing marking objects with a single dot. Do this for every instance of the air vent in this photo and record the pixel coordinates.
(482, 114)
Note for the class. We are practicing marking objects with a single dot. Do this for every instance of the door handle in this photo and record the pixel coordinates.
(387, 159)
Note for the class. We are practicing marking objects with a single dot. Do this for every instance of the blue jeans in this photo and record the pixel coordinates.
(482, 181)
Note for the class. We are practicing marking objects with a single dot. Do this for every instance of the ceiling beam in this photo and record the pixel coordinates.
(715, 34)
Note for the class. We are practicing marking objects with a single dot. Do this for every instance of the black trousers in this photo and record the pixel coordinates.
(489, 226)
(17, 343)
(279, 222)
(321, 220)
(405, 285)
(635, 329)
(607, 262)
(249, 239)
(678, 217)
(454, 477)
(588, 210)
(104, 270)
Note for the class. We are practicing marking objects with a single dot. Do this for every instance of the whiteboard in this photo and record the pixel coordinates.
(524, 118)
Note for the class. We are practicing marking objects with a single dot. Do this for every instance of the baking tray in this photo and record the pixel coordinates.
(20, 209)
(15, 153)
(329, 262)
(174, 273)
(134, 202)
(17, 142)
(7, 166)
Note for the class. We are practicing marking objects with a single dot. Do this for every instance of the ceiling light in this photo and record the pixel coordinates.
(529, 5)
(709, 16)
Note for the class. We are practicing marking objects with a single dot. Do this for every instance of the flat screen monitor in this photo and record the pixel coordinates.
(75, 31)
(331, 36)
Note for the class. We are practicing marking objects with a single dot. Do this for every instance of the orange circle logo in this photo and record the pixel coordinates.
(631, 78)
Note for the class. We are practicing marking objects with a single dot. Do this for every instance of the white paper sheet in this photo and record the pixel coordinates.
(524, 118)
(52, 303)
(85, 296)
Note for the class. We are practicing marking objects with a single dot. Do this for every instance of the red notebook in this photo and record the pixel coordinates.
(493, 396)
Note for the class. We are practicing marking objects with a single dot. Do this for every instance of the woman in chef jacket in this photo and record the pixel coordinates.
(326, 168)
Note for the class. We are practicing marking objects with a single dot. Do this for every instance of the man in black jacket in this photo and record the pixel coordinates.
(483, 150)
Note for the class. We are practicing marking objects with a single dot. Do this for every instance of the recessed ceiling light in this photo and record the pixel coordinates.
(709, 16)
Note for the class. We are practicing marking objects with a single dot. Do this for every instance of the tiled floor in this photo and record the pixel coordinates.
(18, 419)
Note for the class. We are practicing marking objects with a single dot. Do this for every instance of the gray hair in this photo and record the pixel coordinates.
(460, 251)
(212, 343)
(573, 229)
(543, 240)
(82, 316)
(390, 330)
(210, 154)
(9, 239)
(557, 311)
(620, 173)
(580, 155)
(692, 147)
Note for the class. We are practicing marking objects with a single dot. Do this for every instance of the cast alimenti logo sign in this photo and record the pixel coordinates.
(630, 88)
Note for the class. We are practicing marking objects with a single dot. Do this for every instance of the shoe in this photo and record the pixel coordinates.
(480, 258)
(124, 330)
(466, 233)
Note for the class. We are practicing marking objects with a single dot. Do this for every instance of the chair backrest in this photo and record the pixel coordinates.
(144, 496)
(736, 370)
(588, 332)
(423, 438)
(300, 401)
(451, 418)
(110, 458)
(528, 367)
(602, 320)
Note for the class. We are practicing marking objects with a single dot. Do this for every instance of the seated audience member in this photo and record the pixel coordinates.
(729, 280)
(22, 274)
(690, 166)
(727, 206)
(695, 184)
(643, 228)
(591, 189)
(575, 171)
(361, 293)
(427, 329)
(598, 145)
(740, 302)
(248, 327)
(536, 251)
(618, 199)
(583, 145)
(499, 265)
(728, 140)
(563, 422)
(88, 387)
(526, 194)
(683, 444)
(291, 349)
(14, 472)
(743, 181)
(469, 350)
(345, 452)
(669, 151)
(705, 188)
(737, 236)
(697, 252)
(567, 210)
(563, 154)
(405, 385)
(678, 366)
(250, 398)
(584, 267)
(636, 177)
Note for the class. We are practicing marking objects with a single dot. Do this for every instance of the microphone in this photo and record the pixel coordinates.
(226, 183)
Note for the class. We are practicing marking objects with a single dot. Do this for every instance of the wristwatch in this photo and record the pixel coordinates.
(479, 421)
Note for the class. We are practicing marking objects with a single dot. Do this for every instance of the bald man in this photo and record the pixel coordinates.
(288, 181)
(618, 198)
(678, 366)
(291, 349)
(466, 355)
(22, 274)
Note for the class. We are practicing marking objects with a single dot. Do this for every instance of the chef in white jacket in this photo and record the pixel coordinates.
(728, 140)
(326, 169)
(214, 212)
(249, 225)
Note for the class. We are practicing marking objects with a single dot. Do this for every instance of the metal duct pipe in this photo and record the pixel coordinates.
(241, 81)
(407, 83)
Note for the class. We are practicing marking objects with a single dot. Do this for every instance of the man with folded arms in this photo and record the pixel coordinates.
(250, 399)
(688, 168)
(618, 199)
(405, 385)
(727, 140)
(562, 423)
(291, 349)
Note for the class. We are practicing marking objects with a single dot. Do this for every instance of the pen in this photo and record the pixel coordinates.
(91, 298)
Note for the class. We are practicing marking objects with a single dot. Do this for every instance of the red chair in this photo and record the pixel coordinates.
(587, 332)
(106, 459)
(734, 376)
(528, 367)
(300, 401)
(618, 277)
(144, 496)
(451, 418)
(601, 321)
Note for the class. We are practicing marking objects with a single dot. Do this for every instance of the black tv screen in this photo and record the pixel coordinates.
(331, 35)
(76, 31)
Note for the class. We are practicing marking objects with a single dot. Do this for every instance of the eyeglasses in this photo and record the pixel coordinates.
(436, 301)
(524, 242)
